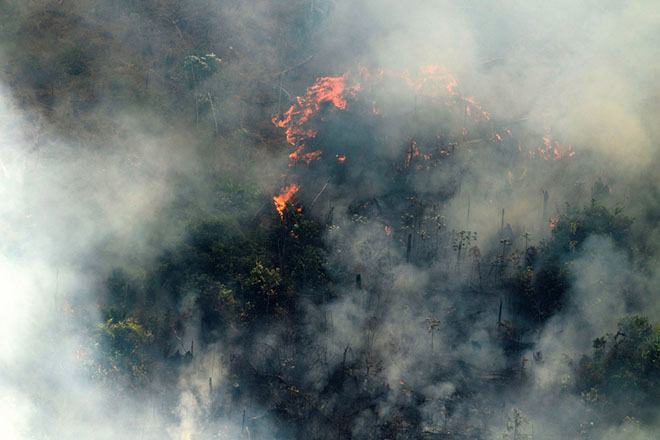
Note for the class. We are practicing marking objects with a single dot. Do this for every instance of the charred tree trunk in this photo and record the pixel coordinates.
(409, 248)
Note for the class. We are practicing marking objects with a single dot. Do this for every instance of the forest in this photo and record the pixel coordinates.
(322, 219)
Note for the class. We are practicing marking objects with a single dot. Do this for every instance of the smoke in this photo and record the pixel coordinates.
(579, 73)
(95, 182)
(68, 216)
(582, 69)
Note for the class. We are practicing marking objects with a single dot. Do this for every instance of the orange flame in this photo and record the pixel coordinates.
(332, 90)
(285, 195)
(413, 151)
(388, 230)
(435, 78)
(432, 81)
(553, 222)
(471, 102)
(308, 157)
(553, 149)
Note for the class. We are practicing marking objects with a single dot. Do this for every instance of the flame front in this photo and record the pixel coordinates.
(331, 90)
(285, 195)
(333, 93)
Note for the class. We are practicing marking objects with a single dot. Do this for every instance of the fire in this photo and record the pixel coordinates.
(331, 90)
(334, 93)
(285, 195)
(553, 222)
(553, 149)
(469, 101)
(435, 78)
(307, 157)
(388, 230)
(413, 151)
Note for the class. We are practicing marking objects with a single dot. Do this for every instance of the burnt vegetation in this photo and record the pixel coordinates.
(267, 295)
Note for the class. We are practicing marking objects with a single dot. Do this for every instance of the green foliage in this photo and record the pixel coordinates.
(218, 305)
(212, 252)
(124, 348)
(622, 376)
(574, 226)
(264, 281)
(296, 243)
(542, 283)
(201, 67)
(237, 275)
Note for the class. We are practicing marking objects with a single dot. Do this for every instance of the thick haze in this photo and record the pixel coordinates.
(588, 69)
(587, 72)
